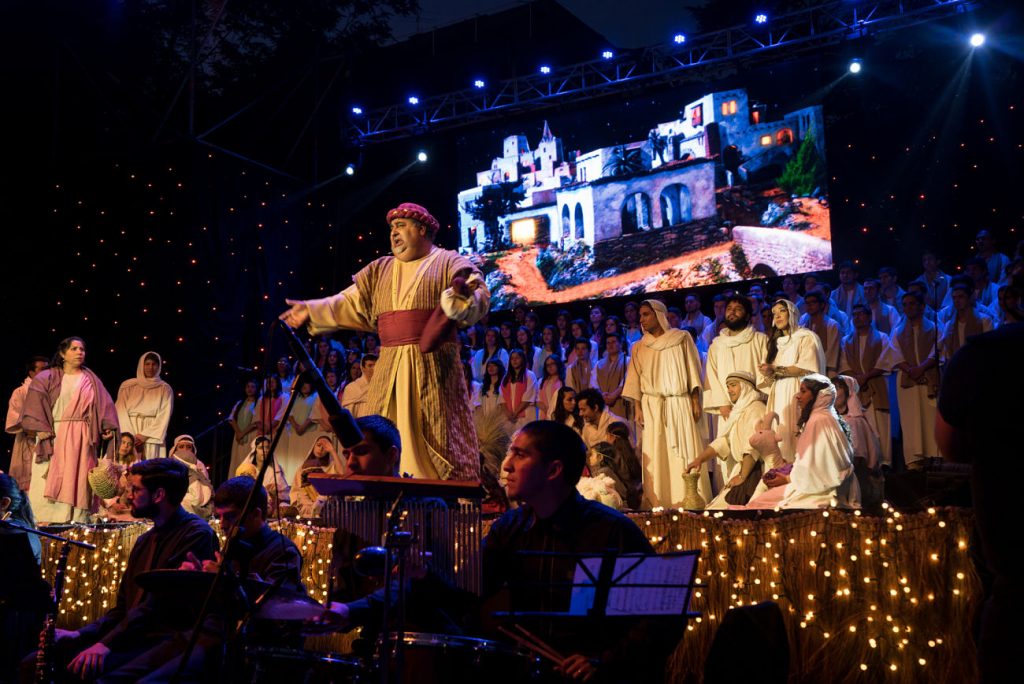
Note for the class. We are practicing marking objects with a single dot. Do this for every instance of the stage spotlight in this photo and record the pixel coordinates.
(545, 69)
(357, 110)
(413, 100)
(856, 66)
(421, 157)
(607, 54)
(977, 39)
(761, 18)
(679, 39)
(478, 83)
(350, 170)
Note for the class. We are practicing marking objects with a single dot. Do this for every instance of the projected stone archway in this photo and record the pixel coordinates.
(676, 205)
(580, 233)
(566, 228)
(636, 213)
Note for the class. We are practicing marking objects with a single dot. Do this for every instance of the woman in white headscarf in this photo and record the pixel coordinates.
(793, 352)
(663, 380)
(144, 405)
(322, 458)
(822, 474)
(278, 491)
(199, 496)
(732, 445)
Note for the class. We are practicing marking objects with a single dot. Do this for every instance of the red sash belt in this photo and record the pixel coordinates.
(398, 328)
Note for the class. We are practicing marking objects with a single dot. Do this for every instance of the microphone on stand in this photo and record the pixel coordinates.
(342, 421)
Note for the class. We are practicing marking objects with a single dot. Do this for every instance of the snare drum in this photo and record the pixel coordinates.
(276, 665)
(443, 658)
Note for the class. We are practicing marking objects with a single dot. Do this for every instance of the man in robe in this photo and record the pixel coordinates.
(578, 373)
(917, 383)
(418, 377)
(825, 328)
(891, 293)
(609, 374)
(995, 262)
(694, 317)
(965, 321)
(737, 348)
(596, 415)
(986, 292)
(867, 358)
(21, 452)
(849, 291)
(936, 283)
(664, 382)
(144, 404)
(715, 326)
(354, 396)
(883, 316)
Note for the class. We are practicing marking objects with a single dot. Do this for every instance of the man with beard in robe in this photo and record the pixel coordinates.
(737, 348)
(413, 300)
(21, 453)
(664, 382)
(144, 404)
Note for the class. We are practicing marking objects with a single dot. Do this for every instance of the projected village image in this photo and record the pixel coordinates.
(720, 194)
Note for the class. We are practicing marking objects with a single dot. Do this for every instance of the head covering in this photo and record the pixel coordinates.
(742, 375)
(854, 409)
(794, 315)
(826, 398)
(416, 213)
(660, 311)
(187, 458)
(133, 391)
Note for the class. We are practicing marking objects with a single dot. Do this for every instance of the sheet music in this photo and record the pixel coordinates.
(671, 573)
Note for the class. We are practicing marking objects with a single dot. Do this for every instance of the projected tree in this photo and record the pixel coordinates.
(494, 202)
(623, 162)
(804, 172)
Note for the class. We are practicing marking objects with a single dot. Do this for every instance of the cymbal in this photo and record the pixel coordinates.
(288, 606)
(192, 581)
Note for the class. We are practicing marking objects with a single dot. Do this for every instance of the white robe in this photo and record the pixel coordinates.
(732, 446)
(823, 470)
(662, 373)
(144, 407)
(293, 447)
(595, 434)
(353, 397)
(803, 350)
(917, 409)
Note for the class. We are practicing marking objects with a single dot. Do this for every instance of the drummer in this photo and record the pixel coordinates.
(261, 554)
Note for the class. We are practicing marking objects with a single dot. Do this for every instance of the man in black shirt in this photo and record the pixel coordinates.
(140, 620)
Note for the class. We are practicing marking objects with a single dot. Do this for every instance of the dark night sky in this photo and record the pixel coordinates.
(139, 241)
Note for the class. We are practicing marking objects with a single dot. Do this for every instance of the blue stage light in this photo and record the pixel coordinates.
(856, 66)
(607, 54)
(357, 110)
(350, 170)
(422, 156)
(413, 100)
(545, 69)
(761, 18)
(977, 39)
(478, 83)
(679, 38)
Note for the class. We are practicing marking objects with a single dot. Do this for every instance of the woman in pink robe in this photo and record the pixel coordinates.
(68, 411)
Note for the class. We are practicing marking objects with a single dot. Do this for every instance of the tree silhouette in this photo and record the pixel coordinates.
(495, 201)
(804, 172)
(623, 162)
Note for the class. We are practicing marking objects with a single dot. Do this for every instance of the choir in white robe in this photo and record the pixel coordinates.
(663, 372)
(914, 344)
(144, 408)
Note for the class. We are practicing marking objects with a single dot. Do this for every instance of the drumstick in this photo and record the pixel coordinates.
(537, 640)
(532, 647)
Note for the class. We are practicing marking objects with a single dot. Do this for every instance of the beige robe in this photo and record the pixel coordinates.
(21, 452)
(862, 354)
(662, 373)
(424, 394)
(917, 400)
(609, 376)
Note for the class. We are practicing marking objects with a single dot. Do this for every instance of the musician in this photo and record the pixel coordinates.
(544, 463)
(139, 620)
(260, 553)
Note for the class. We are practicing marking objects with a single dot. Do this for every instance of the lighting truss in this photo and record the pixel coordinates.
(804, 30)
